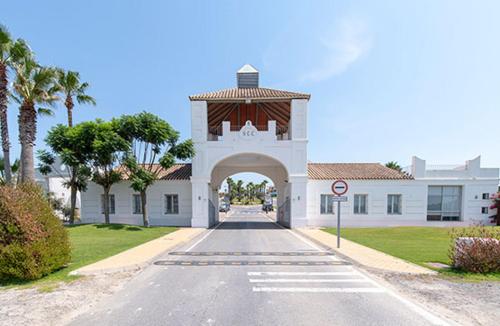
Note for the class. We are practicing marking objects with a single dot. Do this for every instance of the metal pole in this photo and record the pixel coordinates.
(338, 224)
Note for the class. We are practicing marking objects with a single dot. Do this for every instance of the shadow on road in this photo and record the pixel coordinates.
(252, 225)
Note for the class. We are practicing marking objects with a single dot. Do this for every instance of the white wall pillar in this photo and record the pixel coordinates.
(298, 201)
(200, 197)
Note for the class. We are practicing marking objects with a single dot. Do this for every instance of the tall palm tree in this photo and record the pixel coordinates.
(10, 53)
(71, 87)
(34, 87)
(239, 189)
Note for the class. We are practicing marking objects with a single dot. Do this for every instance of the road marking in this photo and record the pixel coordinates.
(309, 243)
(196, 263)
(317, 290)
(308, 280)
(302, 273)
(205, 236)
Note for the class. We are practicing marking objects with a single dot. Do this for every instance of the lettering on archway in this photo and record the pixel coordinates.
(248, 131)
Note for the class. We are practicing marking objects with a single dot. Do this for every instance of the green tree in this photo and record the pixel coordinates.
(107, 150)
(394, 165)
(13, 168)
(11, 52)
(230, 188)
(34, 87)
(74, 145)
(239, 190)
(71, 87)
(154, 146)
(250, 191)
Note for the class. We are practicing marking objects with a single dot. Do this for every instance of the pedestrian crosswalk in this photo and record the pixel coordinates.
(350, 281)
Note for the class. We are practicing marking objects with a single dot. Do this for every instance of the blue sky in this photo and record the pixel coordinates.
(389, 79)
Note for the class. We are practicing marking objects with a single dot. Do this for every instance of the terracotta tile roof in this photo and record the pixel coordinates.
(316, 171)
(353, 171)
(179, 171)
(248, 93)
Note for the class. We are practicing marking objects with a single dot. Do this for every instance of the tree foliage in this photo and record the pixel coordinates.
(74, 147)
(71, 87)
(35, 91)
(394, 165)
(108, 148)
(154, 146)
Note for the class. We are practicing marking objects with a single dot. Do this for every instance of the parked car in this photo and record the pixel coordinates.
(268, 207)
(224, 207)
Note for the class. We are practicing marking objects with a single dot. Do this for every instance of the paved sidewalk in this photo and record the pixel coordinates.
(363, 255)
(138, 257)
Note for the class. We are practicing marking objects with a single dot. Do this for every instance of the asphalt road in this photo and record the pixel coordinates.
(250, 271)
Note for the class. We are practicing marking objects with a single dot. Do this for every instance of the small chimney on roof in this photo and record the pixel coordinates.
(247, 77)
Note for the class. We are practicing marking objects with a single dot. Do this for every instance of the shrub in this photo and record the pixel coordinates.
(33, 241)
(476, 249)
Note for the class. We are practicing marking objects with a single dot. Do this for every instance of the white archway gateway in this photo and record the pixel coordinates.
(249, 129)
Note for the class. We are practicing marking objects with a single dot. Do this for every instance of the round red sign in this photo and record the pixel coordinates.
(339, 187)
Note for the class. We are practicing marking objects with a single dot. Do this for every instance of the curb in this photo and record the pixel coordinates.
(357, 263)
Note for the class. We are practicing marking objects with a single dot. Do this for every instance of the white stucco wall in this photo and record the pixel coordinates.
(414, 202)
(91, 204)
(291, 154)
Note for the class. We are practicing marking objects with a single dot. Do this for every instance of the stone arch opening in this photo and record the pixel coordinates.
(258, 163)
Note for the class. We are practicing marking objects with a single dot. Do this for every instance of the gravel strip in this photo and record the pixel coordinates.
(32, 307)
(466, 303)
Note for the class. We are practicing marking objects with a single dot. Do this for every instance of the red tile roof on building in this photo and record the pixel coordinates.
(316, 171)
(354, 171)
(178, 171)
(241, 94)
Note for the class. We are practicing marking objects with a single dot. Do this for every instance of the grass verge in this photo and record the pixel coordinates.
(94, 242)
(419, 245)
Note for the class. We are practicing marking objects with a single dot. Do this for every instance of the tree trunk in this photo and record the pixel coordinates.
(69, 106)
(27, 137)
(73, 204)
(145, 217)
(4, 129)
(106, 204)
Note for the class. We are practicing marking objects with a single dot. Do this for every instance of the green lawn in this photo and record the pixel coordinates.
(418, 245)
(93, 242)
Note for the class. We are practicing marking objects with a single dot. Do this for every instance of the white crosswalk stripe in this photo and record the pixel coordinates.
(318, 282)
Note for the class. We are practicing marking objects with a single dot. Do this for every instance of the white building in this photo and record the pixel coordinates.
(254, 129)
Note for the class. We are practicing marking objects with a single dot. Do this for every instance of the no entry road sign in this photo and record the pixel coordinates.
(339, 187)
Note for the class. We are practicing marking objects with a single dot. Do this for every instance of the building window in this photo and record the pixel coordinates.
(484, 210)
(326, 204)
(360, 204)
(171, 204)
(394, 204)
(444, 203)
(137, 204)
(111, 204)
(486, 195)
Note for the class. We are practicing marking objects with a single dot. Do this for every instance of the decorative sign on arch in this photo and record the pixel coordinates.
(248, 131)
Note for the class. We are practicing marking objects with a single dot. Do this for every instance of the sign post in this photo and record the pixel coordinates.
(339, 188)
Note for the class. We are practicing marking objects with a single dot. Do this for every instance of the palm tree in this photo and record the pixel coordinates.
(394, 165)
(239, 189)
(250, 191)
(14, 168)
(10, 53)
(70, 86)
(230, 188)
(34, 86)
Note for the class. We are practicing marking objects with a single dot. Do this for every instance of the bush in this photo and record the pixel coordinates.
(476, 249)
(33, 242)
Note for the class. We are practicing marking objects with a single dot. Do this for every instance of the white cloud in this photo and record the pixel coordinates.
(347, 43)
